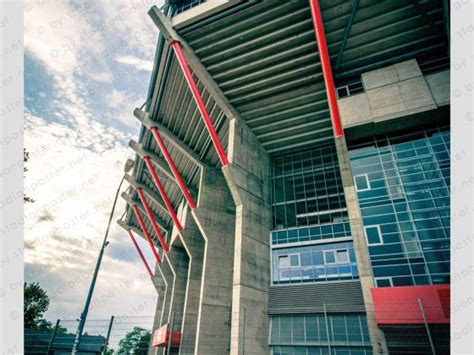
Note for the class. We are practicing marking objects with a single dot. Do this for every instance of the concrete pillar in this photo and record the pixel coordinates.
(194, 245)
(160, 286)
(248, 177)
(377, 337)
(179, 259)
(168, 274)
(215, 219)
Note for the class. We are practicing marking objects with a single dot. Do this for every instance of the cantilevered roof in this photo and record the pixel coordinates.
(264, 58)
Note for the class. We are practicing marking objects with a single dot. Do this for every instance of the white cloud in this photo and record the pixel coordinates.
(76, 160)
(116, 98)
(76, 187)
(137, 63)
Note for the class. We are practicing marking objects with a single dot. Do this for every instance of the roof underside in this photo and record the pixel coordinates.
(264, 58)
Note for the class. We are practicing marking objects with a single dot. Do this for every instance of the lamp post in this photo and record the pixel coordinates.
(82, 320)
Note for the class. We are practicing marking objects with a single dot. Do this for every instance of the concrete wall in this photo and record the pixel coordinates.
(395, 91)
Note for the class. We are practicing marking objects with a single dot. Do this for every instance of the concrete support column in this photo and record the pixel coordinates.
(180, 261)
(160, 286)
(168, 274)
(215, 218)
(377, 337)
(194, 245)
(248, 177)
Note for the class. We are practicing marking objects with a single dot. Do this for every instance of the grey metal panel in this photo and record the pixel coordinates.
(344, 296)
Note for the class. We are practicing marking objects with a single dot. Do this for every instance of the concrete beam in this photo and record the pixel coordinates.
(135, 184)
(169, 33)
(160, 163)
(143, 117)
(131, 201)
(158, 280)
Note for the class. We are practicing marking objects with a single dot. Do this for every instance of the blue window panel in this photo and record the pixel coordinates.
(402, 281)
(361, 182)
(318, 263)
(397, 270)
(373, 234)
(383, 283)
(306, 259)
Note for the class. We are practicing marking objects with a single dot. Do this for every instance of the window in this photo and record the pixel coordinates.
(374, 235)
(294, 260)
(329, 257)
(383, 281)
(362, 182)
(283, 261)
(342, 256)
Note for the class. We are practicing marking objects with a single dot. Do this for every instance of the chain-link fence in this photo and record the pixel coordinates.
(415, 327)
(116, 335)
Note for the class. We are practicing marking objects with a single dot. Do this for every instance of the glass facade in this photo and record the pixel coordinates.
(307, 190)
(311, 238)
(308, 334)
(314, 263)
(402, 185)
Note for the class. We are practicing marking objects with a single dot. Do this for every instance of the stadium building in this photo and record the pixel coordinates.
(292, 177)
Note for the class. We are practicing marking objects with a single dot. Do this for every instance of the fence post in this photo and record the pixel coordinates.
(108, 335)
(327, 327)
(51, 341)
(170, 336)
(420, 302)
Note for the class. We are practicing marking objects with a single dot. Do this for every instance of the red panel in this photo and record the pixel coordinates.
(399, 305)
(200, 103)
(161, 337)
(326, 67)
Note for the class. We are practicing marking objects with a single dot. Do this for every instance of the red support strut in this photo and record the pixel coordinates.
(140, 252)
(173, 168)
(147, 235)
(152, 220)
(162, 191)
(200, 103)
(326, 66)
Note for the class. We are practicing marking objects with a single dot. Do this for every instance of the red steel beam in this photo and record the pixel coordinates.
(147, 235)
(199, 101)
(326, 66)
(140, 252)
(162, 192)
(152, 220)
(173, 168)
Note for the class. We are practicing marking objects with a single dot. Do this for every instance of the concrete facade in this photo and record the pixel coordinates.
(398, 90)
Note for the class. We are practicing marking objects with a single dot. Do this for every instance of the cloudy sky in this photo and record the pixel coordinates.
(87, 66)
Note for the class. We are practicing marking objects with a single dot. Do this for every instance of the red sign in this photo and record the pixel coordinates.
(400, 305)
(161, 337)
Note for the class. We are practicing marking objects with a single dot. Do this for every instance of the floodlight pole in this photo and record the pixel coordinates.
(82, 319)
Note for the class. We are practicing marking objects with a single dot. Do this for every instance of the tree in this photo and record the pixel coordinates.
(135, 342)
(36, 302)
